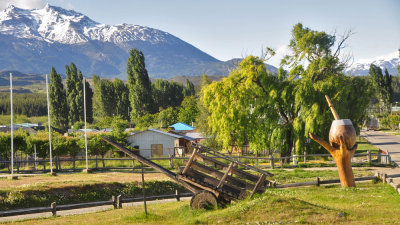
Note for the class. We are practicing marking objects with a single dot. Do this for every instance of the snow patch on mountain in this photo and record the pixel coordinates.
(389, 61)
(55, 24)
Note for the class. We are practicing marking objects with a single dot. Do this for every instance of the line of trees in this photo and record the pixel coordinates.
(29, 104)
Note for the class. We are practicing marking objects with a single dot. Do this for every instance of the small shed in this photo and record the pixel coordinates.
(153, 143)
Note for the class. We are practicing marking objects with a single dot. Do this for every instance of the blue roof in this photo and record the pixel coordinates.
(182, 126)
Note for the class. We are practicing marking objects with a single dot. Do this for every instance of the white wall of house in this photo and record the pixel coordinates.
(146, 139)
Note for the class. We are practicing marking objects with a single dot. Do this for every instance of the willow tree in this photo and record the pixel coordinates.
(278, 111)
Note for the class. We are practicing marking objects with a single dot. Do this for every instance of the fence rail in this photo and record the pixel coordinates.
(382, 157)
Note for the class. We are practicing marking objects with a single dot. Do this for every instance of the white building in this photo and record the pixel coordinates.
(153, 143)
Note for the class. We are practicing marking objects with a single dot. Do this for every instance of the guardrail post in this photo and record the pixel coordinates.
(379, 157)
(178, 198)
(294, 159)
(119, 203)
(305, 156)
(369, 156)
(114, 201)
(53, 207)
(318, 181)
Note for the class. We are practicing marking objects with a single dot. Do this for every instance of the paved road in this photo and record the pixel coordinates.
(387, 142)
(82, 211)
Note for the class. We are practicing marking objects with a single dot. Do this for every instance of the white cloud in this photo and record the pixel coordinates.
(280, 52)
(25, 4)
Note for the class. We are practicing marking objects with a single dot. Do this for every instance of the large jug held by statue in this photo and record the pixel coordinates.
(344, 128)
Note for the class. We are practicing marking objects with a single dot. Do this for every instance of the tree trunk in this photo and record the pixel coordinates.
(104, 164)
(96, 162)
(73, 163)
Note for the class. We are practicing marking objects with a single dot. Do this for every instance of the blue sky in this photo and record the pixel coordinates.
(230, 29)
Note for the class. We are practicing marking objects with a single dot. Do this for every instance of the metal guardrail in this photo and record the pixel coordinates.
(115, 201)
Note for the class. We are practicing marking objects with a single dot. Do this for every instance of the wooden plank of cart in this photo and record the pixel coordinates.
(213, 178)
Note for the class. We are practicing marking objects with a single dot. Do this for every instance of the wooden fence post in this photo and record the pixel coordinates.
(318, 181)
(171, 161)
(305, 156)
(53, 208)
(369, 156)
(384, 178)
(133, 163)
(178, 198)
(272, 162)
(388, 157)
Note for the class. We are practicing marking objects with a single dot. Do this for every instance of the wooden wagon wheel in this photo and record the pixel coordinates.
(203, 200)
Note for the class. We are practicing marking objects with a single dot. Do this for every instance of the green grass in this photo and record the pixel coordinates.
(366, 204)
(301, 175)
(35, 191)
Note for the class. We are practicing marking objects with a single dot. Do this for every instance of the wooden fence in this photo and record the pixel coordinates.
(382, 157)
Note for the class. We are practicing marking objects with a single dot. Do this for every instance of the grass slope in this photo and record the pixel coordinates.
(366, 204)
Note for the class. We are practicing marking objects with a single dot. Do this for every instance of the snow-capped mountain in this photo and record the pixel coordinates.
(32, 41)
(389, 62)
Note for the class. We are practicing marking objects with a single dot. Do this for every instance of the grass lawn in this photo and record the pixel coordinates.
(41, 190)
(366, 204)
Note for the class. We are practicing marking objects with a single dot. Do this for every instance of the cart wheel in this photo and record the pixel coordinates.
(203, 200)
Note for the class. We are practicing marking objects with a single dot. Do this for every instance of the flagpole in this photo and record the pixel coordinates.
(12, 127)
(48, 118)
(84, 111)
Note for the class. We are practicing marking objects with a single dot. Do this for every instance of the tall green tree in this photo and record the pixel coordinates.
(72, 93)
(381, 84)
(79, 97)
(97, 101)
(167, 94)
(278, 111)
(121, 93)
(89, 103)
(139, 85)
(74, 83)
(189, 89)
(108, 98)
(188, 111)
(58, 101)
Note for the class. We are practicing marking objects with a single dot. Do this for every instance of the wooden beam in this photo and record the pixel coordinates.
(222, 181)
(218, 174)
(241, 173)
(187, 180)
(258, 184)
(189, 163)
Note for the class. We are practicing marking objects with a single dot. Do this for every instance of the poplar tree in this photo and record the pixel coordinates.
(97, 102)
(58, 100)
(121, 93)
(89, 103)
(139, 85)
(189, 89)
(72, 93)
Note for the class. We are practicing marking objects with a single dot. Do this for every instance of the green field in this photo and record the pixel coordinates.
(366, 204)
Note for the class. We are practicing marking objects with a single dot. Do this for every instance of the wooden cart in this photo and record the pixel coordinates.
(214, 178)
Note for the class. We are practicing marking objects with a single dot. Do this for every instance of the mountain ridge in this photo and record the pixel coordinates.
(34, 40)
